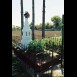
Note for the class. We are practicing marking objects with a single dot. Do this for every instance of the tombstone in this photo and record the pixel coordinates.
(26, 33)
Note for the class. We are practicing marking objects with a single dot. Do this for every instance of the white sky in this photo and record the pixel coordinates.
(53, 7)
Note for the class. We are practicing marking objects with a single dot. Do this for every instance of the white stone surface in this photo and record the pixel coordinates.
(26, 37)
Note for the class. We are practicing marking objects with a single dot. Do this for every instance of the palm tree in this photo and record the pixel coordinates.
(21, 16)
(33, 19)
(43, 20)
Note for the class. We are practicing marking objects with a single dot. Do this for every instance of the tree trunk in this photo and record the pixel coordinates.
(21, 16)
(33, 19)
(43, 20)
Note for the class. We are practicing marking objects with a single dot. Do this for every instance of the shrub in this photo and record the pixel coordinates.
(36, 46)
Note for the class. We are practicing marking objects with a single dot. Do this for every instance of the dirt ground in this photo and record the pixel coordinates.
(16, 35)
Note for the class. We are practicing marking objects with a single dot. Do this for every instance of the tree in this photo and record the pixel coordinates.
(43, 20)
(21, 16)
(47, 25)
(33, 18)
(57, 21)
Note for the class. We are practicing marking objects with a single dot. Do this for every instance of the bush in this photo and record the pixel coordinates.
(36, 46)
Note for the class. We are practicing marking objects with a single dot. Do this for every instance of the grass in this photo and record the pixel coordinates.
(38, 33)
(16, 35)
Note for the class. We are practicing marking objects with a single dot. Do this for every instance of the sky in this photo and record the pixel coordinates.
(53, 8)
